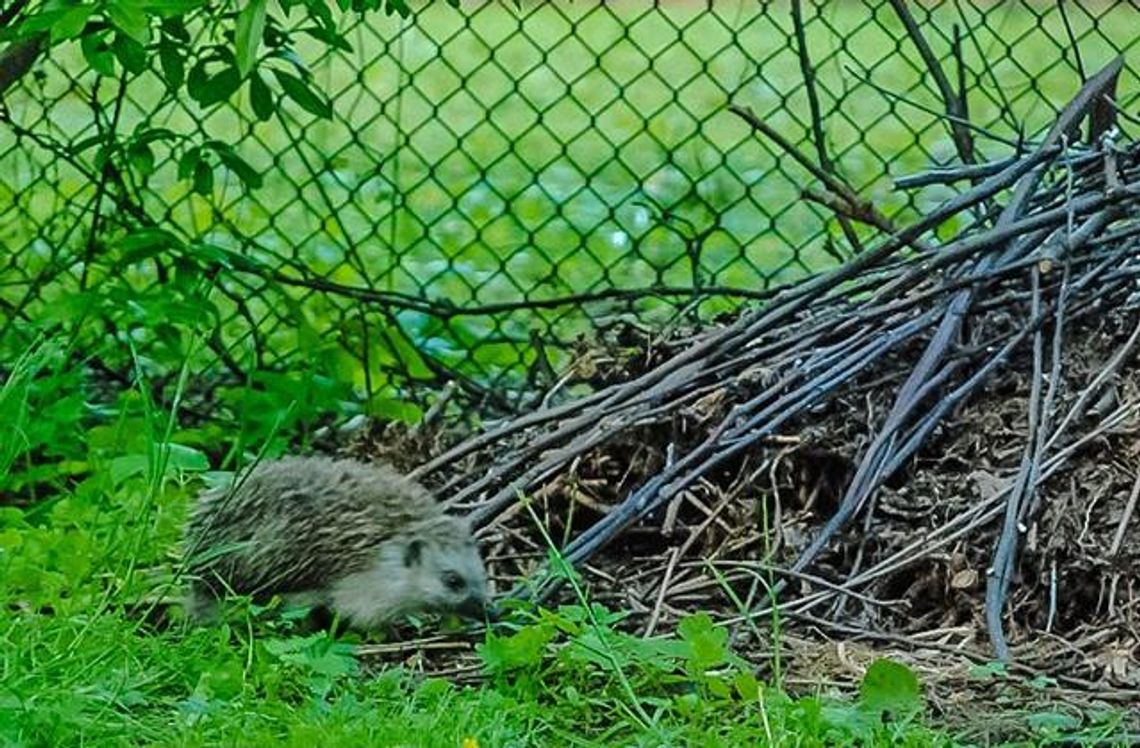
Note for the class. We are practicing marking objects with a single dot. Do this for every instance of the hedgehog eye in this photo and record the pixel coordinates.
(453, 581)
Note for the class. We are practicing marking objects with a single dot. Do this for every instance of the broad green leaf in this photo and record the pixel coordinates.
(71, 23)
(297, 90)
(171, 8)
(522, 649)
(320, 12)
(223, 682)
(10, 540)
(197, 80)
(203, 179)
(35, 24)
(212, 253)
(131, 54)
(188, 162)
(146, 134)
(179, 457)
(188, 459)
(709, 642)
(218, 87)
(81, 145)
(291, 57)
(173, 61)
(175, 28)
(129, 17)
(98, 54)
(141, 158)
(398, 6)
(260, 97)
(126, 467)
(850, 718)
(747, 686)
(246, 173)
(145, 243)
(11, 516)
(890, 686)
(333, 661)
(718, 687)
(247, 35)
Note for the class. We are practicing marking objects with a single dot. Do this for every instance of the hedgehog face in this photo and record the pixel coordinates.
(433, 568)
(447, 574)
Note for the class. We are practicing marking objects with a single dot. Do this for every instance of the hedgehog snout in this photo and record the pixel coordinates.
(473, 606)
(465, 593)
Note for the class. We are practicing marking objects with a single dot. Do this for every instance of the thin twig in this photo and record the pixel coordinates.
(1125, 517)
(954, 105)
(655, 616)
(856, 205)
(808, 76)
(1001, 568)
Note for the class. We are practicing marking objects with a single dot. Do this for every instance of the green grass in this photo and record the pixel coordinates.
(72, 679)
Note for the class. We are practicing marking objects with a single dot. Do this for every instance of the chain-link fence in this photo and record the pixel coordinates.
(497, 183)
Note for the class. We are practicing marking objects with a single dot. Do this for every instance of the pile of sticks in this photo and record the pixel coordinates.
(1051, 237)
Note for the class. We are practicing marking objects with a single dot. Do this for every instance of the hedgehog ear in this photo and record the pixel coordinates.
(413, 552)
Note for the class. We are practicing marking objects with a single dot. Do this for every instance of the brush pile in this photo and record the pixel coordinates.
(934, 441)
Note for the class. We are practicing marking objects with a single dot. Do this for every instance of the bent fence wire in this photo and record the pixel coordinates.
(497, 184)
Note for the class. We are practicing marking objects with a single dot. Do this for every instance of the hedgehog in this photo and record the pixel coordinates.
(360, 541)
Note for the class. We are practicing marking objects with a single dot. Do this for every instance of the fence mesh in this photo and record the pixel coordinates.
(497, 184)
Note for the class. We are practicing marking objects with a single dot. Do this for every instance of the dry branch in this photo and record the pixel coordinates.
(913, 328)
